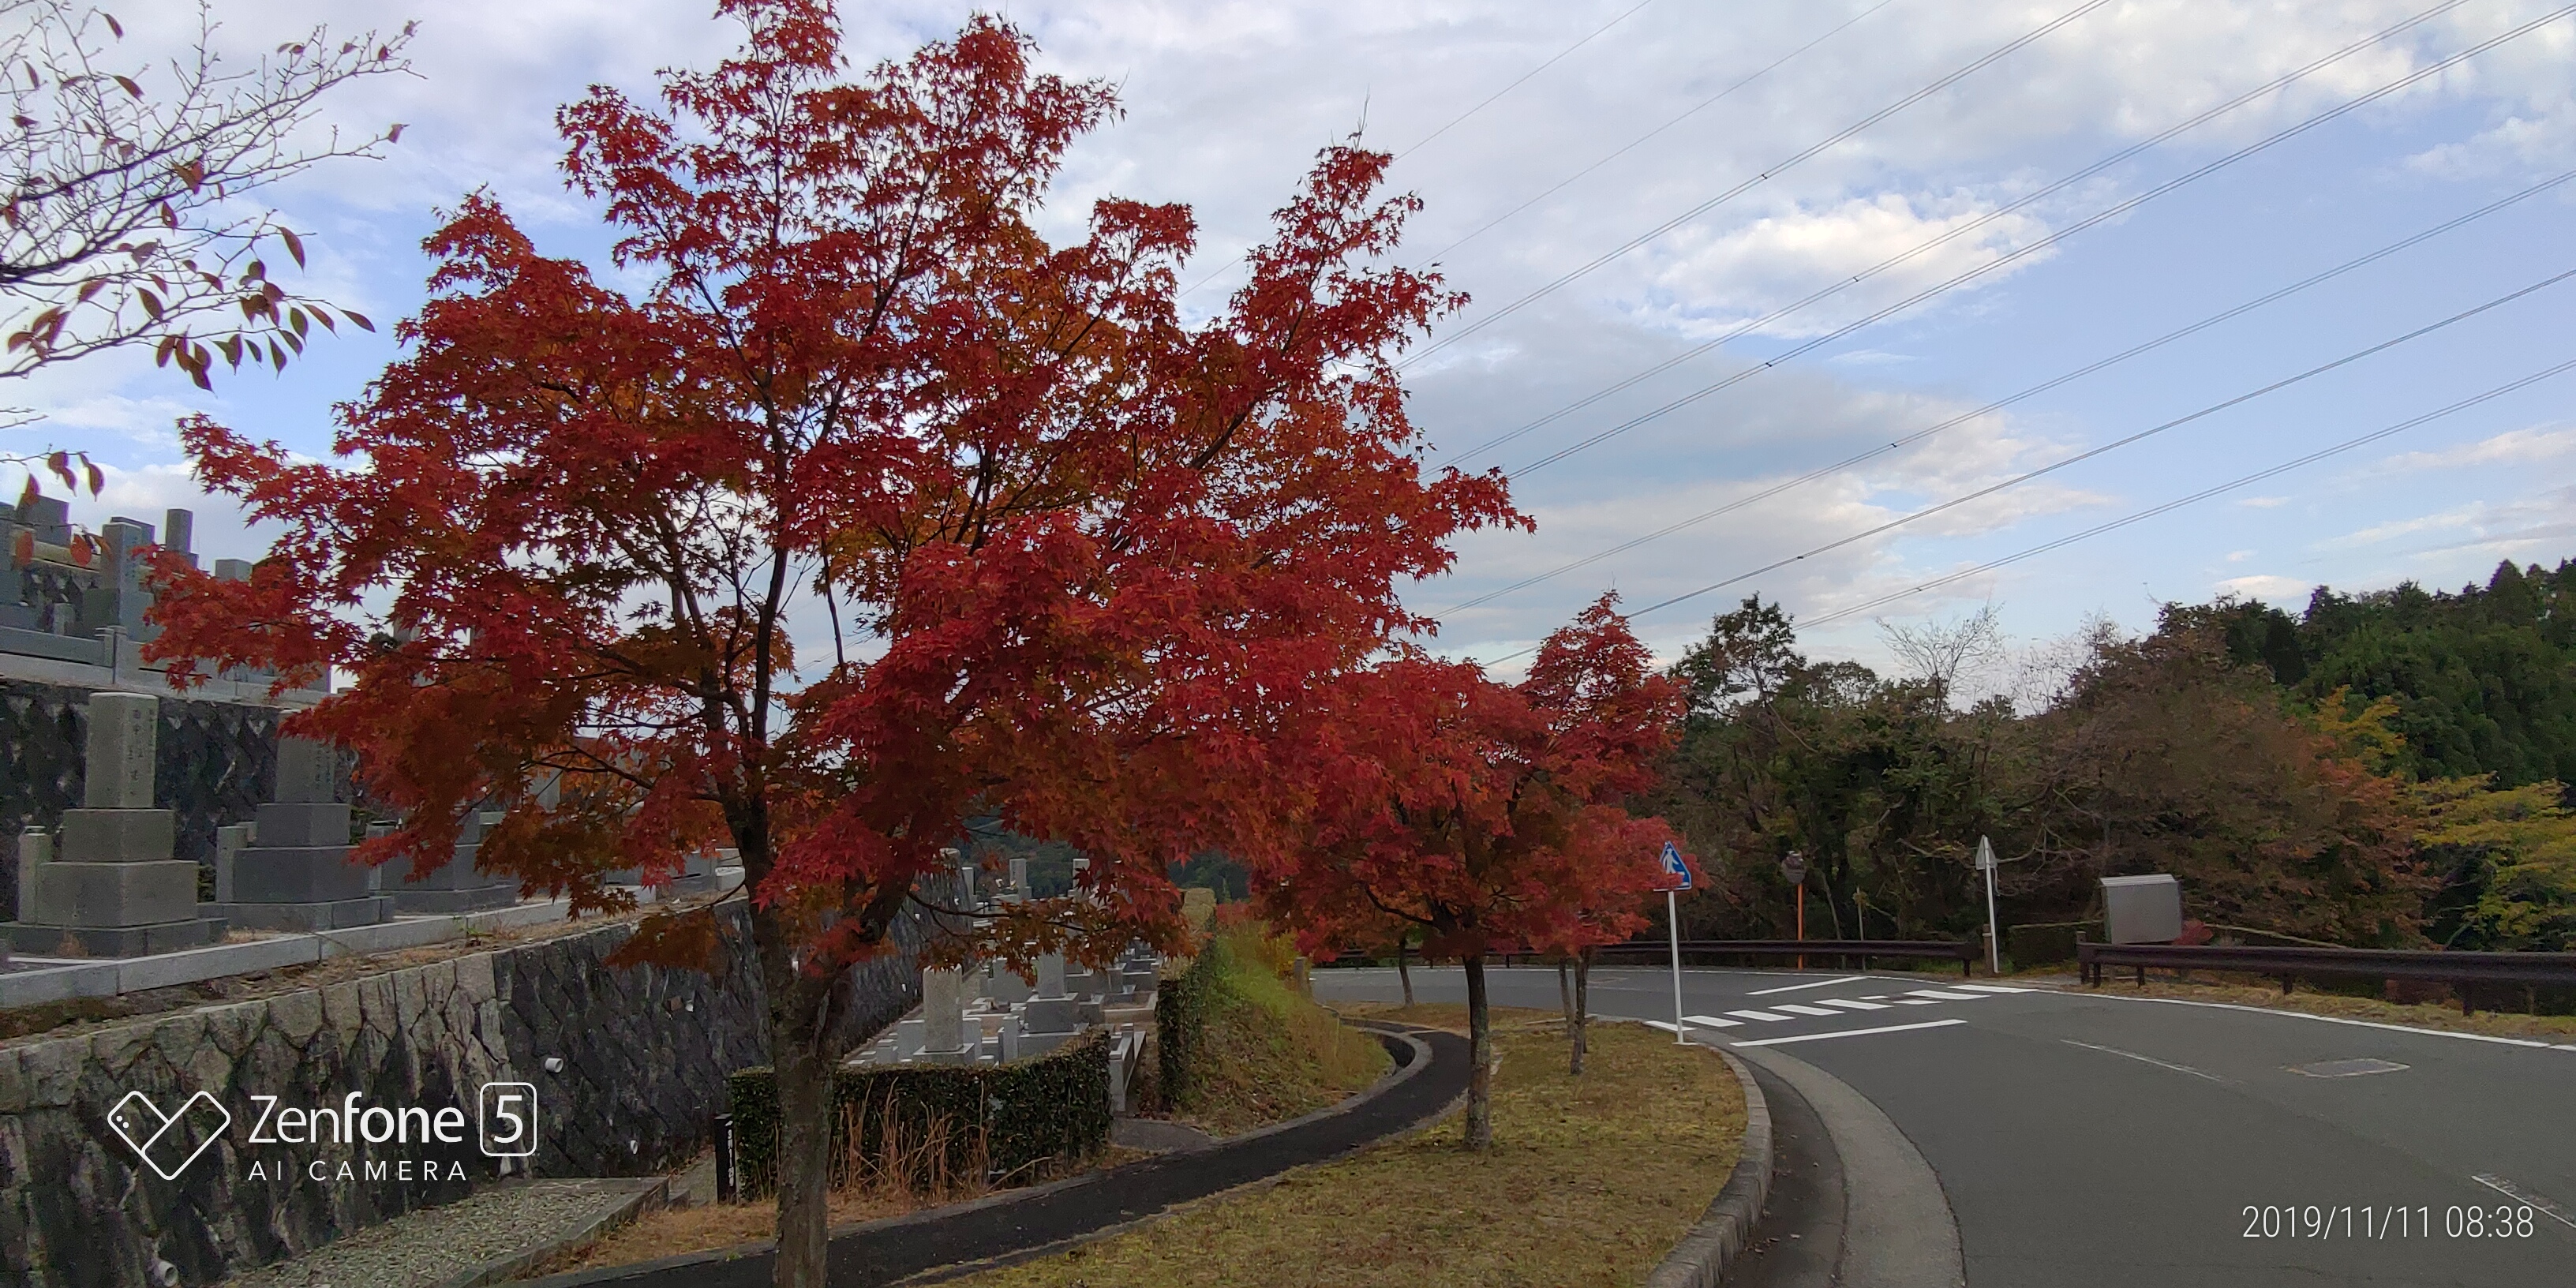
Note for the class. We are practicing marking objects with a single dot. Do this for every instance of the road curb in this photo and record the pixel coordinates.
(1701, 1258)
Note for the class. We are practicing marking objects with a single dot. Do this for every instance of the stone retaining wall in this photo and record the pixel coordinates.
(628, 1067)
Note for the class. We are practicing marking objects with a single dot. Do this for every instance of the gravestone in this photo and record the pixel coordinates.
(1020, 876)
(1052, 1010)
(296, 874)
(943, 1017)
(459, 887)
(107, 885)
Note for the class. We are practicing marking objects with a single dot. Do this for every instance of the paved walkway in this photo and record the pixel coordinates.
(955, 1239)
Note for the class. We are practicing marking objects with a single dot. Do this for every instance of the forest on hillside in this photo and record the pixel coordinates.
(2386, 769)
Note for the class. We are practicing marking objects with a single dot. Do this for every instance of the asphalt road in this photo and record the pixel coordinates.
(2095, 1140)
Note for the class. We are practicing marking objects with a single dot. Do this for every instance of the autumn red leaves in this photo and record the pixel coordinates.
(850, 508)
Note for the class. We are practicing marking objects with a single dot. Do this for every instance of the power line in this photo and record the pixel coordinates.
(2031, 392)
(2052, 239)
(1840, 285)
(1632, 145)
(2115, 444)
(1757, 180)
(1454, 121)
(2202, 495)
(1524, 76)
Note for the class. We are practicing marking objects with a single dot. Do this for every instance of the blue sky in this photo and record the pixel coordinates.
(1226, 103)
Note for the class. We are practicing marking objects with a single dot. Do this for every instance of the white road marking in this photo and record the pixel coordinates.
(1822, 983)
(2360, 1068)
(1875, 997)
(1990, 988)
(1850, 1005)
(1847, 1033)
(1939, 996)
(1802, 1009)
(1918, 1001)
(2332, 1019)
(2178, 1068)
(1711, 1022)
(2512, 1191)
(1762, 1015)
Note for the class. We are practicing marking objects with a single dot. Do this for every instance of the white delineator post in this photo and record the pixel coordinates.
(1994, 936)
(1673, 924)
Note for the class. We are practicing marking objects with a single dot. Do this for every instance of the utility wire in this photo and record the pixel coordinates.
(2044, 243)
(1426, 139)
(1454, 121)
(1757, 180)
(2114, 445)
(2118, 443)
(2031, 392)
(2124, 154)
(2203, 495)
(1632, 145)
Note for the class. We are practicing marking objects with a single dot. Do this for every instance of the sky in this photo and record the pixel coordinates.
(1742, 195)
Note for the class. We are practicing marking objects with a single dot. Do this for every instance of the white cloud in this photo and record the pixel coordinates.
(2265, 586)
(2517, 446)
(2263, 502)
(2239, 556)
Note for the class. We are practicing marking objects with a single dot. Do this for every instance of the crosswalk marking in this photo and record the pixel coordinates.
(1939, 996)
(1918, 1001)
(1848, 1033)
(1711, 1022)
(1990, 988)
(1800, 1008)
(1762, 1015)
(1850, 1005)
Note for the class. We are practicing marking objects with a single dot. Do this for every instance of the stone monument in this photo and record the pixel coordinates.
(106, 884)
(1051, 1010)
(295, 874)
(943, 1017)
(459, 887)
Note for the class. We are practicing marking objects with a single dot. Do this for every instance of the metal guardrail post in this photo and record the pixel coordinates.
(727, 1188)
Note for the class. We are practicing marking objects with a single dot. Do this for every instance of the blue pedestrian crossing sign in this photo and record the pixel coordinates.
(1675, 868)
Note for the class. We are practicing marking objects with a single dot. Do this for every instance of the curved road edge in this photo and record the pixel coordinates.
(1700, 1260)
(1899, 1231)
(1019, 1224)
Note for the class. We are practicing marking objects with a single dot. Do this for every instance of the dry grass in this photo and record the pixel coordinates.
(1591, 1181)
(2422, 1015)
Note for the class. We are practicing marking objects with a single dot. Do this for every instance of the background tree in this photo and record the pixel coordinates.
(124, 221)
(1060, 561)
(1488, 815)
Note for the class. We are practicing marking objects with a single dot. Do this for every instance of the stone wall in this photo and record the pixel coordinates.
(629, 1068)
(216, 762)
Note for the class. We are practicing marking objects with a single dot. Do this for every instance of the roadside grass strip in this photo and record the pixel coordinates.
(1589, 1184)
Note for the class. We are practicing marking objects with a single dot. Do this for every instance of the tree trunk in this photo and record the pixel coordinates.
(1564, 997)
(1403, 973)
(1582, 1009)
(802, 1054)
(804, 1152)
(1480, 1050)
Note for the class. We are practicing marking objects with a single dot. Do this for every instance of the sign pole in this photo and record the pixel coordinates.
(1673, 923)
(1994, 936)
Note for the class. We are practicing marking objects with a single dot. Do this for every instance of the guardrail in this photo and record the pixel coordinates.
(1862, 950)
(2290, 964)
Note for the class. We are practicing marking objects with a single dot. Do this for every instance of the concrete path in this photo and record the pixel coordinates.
(954, 1241)
(2094, 1139)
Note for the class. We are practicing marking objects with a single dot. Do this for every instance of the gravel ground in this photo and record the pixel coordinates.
(432, 1246)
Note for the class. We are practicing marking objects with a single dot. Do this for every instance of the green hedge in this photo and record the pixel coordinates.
(1180, 1024)
(1005, 1120)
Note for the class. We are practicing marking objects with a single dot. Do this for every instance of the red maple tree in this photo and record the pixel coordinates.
(1490, 816)
(1049, 552)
